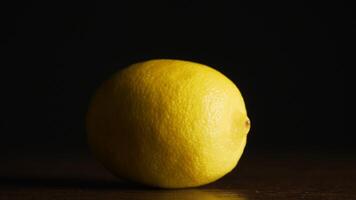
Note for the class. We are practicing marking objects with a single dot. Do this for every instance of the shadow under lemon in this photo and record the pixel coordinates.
(188, 194)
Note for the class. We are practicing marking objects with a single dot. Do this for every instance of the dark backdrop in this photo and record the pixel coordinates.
(288, 60)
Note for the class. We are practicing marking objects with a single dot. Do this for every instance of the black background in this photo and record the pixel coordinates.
(288, 60)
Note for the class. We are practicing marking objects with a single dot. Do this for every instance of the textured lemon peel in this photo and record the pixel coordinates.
(168, 123)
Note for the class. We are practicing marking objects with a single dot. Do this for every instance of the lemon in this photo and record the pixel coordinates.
(168, 123)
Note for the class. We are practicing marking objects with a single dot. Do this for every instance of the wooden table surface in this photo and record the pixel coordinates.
(268, 176)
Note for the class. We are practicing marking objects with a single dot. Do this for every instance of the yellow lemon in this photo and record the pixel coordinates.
(168, 123)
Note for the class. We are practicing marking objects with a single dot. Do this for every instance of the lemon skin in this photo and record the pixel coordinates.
(168, 123)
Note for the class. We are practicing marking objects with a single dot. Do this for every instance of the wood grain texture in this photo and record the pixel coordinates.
(268, 176)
